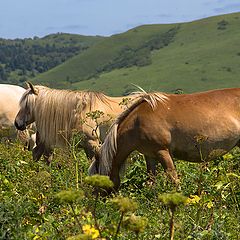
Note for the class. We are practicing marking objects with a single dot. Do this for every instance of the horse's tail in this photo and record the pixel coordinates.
(109, 148)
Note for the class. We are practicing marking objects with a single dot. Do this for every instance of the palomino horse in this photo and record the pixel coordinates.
(9, 107)
(59, 113)
(193, 127)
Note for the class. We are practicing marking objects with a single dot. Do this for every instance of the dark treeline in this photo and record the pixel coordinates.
(21, 59)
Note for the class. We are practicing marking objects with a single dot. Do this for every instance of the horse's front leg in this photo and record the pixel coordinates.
(48, 155)
(115, 177)
(91, 148)
(166, 160)
(151, 169)
(38, 151)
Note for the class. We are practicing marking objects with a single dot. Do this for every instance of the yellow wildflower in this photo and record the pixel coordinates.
(228, 156)
(209, 204)
(192, 199)
(90, 231)
(86, 228)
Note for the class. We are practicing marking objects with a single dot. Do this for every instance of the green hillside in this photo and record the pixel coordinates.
(194, 56)
(90, 62)
(21, 59)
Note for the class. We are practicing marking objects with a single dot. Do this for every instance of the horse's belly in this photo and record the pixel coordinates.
(204, 140)
(203, 149)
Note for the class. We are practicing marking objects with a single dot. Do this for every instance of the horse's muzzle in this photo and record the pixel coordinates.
(21, 127)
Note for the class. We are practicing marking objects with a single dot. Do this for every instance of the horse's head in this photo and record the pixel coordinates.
(25, 115)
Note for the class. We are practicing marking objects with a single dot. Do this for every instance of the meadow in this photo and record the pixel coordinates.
(57, 201)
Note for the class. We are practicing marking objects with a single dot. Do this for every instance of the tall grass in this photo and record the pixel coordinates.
(29, 208)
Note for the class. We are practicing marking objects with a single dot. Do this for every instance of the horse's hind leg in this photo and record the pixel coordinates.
(168, 165)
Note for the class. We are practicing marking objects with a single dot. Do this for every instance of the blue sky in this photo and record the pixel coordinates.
(29, 18)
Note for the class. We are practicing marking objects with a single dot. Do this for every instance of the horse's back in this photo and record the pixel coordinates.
(194, 110)
(9, 103)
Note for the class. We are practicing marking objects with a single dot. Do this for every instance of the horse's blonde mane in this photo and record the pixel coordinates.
(109, 148)
(59, 112)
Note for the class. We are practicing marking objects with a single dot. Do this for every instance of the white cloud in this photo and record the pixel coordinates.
(232, 7)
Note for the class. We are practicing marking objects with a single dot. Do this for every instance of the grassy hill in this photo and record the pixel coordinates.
(21, 59)
(194, 56)
(89, 63)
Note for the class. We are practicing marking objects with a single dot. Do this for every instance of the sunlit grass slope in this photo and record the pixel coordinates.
(203, 54)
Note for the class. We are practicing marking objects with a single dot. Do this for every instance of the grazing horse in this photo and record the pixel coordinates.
(59, 113)
(193, 127)
(9, 107)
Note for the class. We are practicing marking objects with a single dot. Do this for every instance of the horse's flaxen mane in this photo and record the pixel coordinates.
(59, 112)
(109, 147)
(151, 98)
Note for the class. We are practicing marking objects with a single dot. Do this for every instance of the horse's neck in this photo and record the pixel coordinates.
(118, 104)
(111, 108)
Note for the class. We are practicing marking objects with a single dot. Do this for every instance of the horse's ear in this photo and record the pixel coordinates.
(34, 90)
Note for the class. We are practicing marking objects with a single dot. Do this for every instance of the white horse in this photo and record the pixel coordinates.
(59, 113)
(10, 96)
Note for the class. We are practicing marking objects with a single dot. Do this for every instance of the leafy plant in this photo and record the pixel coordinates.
(43, 202)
